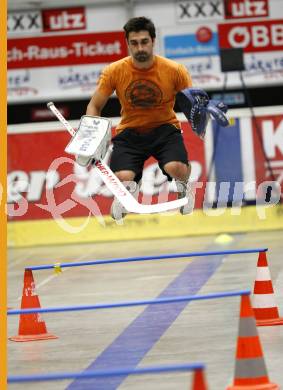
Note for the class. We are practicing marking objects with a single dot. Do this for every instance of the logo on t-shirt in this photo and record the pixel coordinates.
(143, 93)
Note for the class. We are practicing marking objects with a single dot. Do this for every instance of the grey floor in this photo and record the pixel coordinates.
(199, 331)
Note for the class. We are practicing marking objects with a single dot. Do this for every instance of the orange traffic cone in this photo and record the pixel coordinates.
(199, 382)
(250, 370)
(31, 326)
(265, 309)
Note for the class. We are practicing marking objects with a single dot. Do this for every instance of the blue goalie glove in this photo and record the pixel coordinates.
(197, 107)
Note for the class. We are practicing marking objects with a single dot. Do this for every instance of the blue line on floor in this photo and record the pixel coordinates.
(130, 347)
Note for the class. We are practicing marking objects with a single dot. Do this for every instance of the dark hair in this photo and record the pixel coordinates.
(139, 24)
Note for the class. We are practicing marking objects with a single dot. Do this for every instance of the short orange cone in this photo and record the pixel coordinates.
(265, 309)
(31, 326)
(250, 369)
(199, 382)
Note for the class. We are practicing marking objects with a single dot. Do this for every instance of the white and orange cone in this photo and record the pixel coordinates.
(250, 369)
(264, 305)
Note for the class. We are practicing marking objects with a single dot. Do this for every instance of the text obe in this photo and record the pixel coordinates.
(257, 36)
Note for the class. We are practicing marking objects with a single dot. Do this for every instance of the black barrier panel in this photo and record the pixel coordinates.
(232, 60)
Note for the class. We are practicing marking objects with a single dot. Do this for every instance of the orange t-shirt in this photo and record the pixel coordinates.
(147, 96)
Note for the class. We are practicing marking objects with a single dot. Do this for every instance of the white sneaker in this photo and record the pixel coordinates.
(118, 211)
(185, 189)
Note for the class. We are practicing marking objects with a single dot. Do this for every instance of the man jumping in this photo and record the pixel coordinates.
(146, 85)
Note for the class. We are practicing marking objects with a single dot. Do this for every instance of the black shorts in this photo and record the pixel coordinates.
(131, 149)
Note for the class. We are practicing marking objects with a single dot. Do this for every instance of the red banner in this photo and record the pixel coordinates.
(236, 9)
(252, 36)
(43, 180)
(59, 50)
(268, 149)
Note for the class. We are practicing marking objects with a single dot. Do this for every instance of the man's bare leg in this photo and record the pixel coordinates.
(117, 211)
(181, 173)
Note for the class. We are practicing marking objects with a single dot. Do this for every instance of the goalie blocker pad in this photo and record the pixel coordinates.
(91, 140)
(197, 108)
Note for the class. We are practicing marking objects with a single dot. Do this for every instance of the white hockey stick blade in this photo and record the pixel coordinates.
(115, 185)
(127, 199)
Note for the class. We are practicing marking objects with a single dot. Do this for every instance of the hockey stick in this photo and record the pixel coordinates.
(115, 185)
